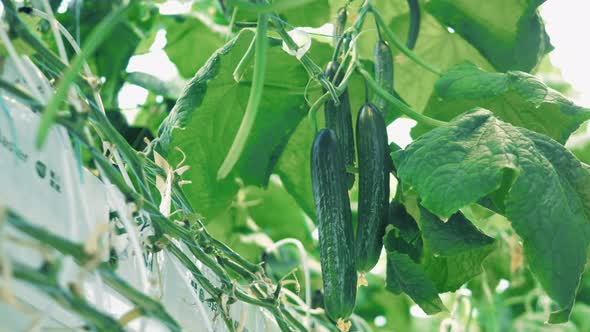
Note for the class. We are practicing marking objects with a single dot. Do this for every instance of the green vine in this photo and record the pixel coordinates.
(261, 44)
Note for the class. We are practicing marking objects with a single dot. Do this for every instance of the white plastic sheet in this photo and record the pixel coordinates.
(47, 188)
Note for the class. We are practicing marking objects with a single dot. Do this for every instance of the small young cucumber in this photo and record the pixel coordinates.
(373, 197)
(383, 65)
(335, 225)
(339, 119)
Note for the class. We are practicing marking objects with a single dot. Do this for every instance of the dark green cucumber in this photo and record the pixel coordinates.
(373, 197)
(339, 24)
(414, 28)
(383, 65)
(339, 119)
(335, 225)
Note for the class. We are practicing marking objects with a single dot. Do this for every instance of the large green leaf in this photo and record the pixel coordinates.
(542, 189)
(206, 117)
(449, 273)
(510, 34)
(293, 167)
(515, 97)
(189, 43)
(455, 236)
(312, 14)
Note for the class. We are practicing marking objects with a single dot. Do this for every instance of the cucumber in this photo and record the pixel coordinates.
(339, 119)
(383, 65)
(414, 28)
(335, 225)
(373, 196)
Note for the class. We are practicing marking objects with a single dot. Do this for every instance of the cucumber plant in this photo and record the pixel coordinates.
(486, 194)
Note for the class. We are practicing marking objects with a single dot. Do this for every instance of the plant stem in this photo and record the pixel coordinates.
(339, 90)
(252, 268)
(134, 160)
(21, 94)
(197, 274)
(130, 316)
(407, 110)
(47, 282)
(358, 23)
(241, 67)
(144, 303)
(253, 101)
(405, 50)
(97, 36)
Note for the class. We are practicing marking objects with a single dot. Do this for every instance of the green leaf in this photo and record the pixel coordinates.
(580, 316)
(405, 236)
(543, 190)
(306, 13)
(581, 149)
(190, 43)
(515, 97)
(453, 251)
(452, 272)
(277, 213)
(449, 254)
(293, 167)
(453, 237)
(311, 14)
(403, 275)
(510, 34)
(206, 117)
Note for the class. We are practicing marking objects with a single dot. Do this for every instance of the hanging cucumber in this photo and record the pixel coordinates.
(339, 119)
(373, 197)
(414, 28)
(383, 65)
(335, 225)
(383, 60)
